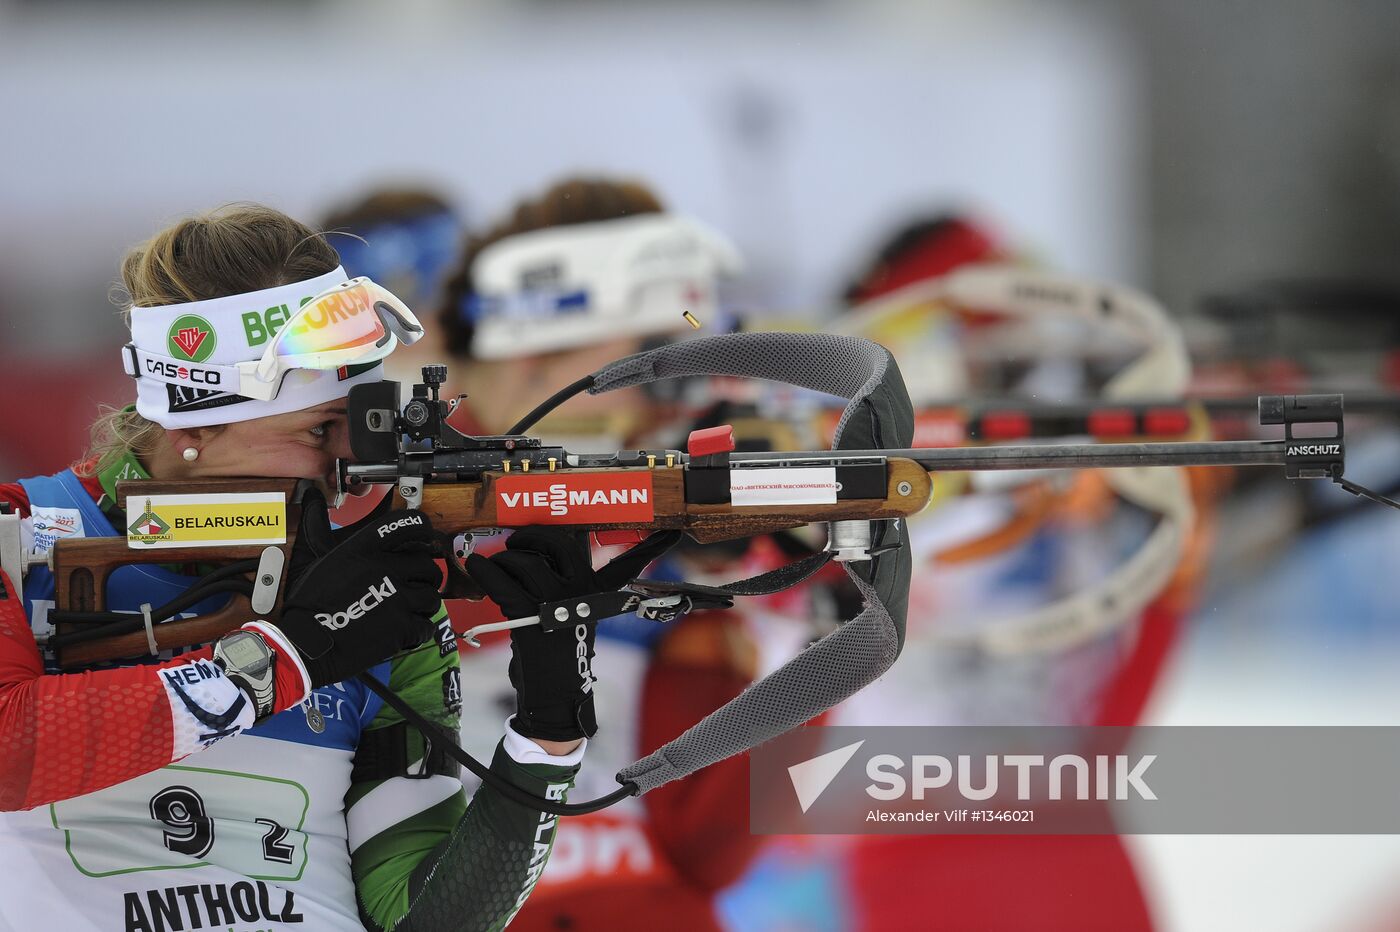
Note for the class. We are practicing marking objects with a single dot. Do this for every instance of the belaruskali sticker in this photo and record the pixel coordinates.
(213, 520)
(783, 485)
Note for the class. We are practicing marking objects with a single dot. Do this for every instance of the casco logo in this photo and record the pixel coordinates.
(571, 499)
(191, 337)
(406, 521)
(192, 374)
(358, 609)
(1316, 449)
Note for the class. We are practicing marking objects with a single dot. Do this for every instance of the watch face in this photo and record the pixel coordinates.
(245, 653)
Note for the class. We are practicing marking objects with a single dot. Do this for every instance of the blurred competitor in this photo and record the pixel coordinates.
(407, 239)
(1037, 601)
(1007, 545)
(588, 271)
(256, 781)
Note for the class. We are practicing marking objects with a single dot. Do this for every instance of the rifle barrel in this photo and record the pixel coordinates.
(968, 459)
(1056, 456)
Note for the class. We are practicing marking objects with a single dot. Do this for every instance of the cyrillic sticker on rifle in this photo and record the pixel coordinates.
(783, 485)
(214, 520)
(580, 498)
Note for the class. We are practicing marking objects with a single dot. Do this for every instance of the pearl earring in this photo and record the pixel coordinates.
(190, 454)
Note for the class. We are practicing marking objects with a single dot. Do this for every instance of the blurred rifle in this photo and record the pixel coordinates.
(1001, 420)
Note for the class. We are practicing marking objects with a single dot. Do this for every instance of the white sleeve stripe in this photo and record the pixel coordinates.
(524, 751)
(394, 800)
(200, 695)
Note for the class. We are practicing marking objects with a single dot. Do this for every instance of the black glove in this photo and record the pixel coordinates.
(552, 672)
(359, 595)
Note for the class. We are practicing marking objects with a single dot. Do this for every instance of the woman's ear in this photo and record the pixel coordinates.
(189, 442)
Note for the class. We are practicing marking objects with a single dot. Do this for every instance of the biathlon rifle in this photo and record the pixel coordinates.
(474, 485)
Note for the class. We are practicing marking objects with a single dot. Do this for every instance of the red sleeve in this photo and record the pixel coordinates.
(74, 733)
(71, 734)
(701, 822)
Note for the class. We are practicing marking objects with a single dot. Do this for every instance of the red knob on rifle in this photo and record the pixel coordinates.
(1166, 421)
(1112, 422)
(711, 440)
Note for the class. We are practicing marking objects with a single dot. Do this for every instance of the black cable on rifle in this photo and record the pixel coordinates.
(108, 624)
(198, 591)
(550, 403)
(496, 781)
(130, 622)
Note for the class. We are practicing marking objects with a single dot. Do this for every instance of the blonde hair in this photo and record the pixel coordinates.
(229, 250)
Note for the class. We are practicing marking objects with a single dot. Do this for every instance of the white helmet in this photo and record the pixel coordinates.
(576, 285)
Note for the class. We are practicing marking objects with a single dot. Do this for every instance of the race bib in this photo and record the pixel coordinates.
(181, 817)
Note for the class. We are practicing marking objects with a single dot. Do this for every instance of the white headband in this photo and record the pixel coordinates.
(199, 339)
(581, 284)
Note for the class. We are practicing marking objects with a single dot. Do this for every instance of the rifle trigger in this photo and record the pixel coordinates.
(267, 580)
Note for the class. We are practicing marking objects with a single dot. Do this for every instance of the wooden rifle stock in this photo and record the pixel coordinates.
(83, 567)
(456, 507)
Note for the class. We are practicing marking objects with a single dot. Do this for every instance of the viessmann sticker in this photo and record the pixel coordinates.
(795, 485)
(557, 498)
(213, 520)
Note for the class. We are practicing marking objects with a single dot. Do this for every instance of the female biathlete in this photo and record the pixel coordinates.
(586, 271)
(255, 783)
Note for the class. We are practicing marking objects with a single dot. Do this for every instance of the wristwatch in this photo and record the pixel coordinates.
(246, 659)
